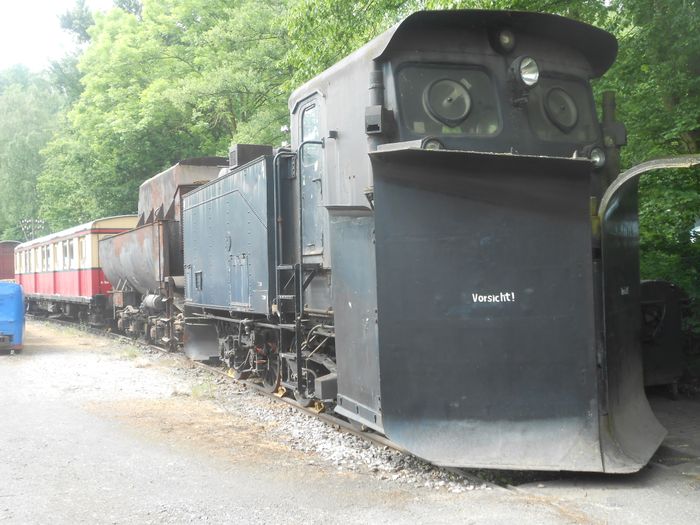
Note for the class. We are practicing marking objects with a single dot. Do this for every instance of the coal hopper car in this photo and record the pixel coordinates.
(144, 264)
(434, 256)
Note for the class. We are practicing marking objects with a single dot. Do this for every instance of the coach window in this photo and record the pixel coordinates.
(49, 252)
(72, 264)
(66, 260)
(82, 252)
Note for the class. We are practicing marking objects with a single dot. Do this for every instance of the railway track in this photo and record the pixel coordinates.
(317, 412)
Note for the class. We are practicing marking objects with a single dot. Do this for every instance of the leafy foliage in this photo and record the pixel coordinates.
(176, 79)
(657, 78)
(28, 111)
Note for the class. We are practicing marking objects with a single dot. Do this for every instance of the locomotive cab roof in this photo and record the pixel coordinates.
(597, 46)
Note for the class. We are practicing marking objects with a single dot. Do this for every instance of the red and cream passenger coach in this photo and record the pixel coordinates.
(61, 272)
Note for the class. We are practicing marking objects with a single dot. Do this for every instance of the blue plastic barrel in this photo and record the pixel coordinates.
(11, 316)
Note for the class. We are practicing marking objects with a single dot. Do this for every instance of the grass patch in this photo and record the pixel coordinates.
(129, 352)
(204, 389)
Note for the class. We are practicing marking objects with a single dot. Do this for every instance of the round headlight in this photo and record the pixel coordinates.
(528, 71)
(506, 40)
(431, 143)
(597, 157)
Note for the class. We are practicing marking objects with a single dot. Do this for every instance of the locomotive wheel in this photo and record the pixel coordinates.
(271, 374)
(358, 427)
(237, 370)
(237, 360)
(238, 375)
(303, 400)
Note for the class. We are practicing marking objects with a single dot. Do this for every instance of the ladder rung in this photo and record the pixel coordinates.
(306, 266)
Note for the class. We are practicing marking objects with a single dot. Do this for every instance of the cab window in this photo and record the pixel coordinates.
(561, 110)
(447, 100)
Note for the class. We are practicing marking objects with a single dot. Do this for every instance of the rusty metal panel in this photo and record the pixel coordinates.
(142, 257)
(158, 195)
(7, 259)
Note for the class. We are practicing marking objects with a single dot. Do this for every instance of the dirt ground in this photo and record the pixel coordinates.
(96, 431)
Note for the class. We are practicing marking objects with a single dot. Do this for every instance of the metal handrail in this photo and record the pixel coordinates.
(278, 217)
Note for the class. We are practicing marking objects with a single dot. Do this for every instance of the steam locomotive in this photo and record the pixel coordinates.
(439, 256)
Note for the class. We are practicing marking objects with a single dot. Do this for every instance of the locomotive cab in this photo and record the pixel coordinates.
(511, 84)
(480, 321)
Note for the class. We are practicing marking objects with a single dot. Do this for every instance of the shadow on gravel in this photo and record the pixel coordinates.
(680, 450)
(518, 478)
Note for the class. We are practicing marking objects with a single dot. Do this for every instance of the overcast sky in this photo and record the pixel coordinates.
(30, 32)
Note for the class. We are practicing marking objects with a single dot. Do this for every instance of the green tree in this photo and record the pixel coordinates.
(175, 80)
(78, 21)
(657, 78)
(29, 107)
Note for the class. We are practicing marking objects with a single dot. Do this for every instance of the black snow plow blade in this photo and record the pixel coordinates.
(492, 317)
